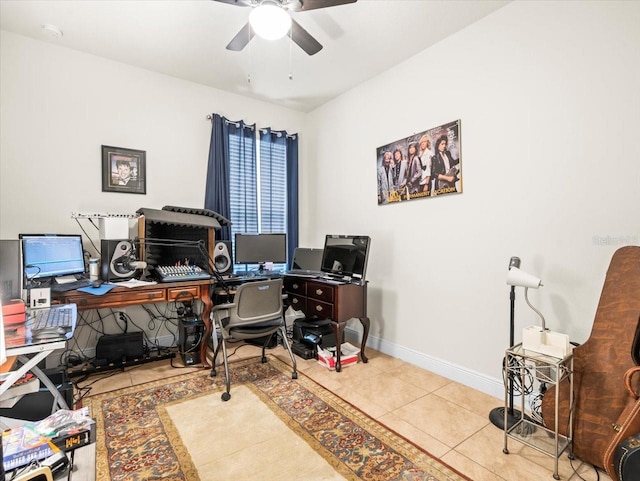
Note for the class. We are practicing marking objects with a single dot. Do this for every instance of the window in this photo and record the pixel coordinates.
(252, 180)
(258, 184)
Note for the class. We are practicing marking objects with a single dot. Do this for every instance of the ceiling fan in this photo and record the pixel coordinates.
(281, 17)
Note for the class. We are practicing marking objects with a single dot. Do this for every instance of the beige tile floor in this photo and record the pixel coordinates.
(447, 419)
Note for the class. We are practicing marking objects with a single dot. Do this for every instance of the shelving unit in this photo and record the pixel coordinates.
(551, 371)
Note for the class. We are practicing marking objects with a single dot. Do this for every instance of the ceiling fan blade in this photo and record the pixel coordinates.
(242, 38)
(303, 39)
(305, 5)
(237, 3)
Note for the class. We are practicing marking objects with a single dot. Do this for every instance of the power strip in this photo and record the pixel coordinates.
(89, 368)
(77, 215)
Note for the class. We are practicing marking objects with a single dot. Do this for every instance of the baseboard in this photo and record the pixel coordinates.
(481, 382)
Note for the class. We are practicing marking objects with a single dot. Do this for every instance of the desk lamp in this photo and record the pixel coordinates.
(515, 278)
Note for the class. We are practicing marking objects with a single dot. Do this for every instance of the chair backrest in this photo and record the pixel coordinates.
(256, 302)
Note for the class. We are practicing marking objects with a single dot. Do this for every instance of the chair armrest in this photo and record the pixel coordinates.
(219, 307)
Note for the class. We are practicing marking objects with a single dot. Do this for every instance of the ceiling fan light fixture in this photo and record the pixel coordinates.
(270, 21)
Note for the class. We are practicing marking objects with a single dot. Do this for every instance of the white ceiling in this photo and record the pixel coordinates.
(187, 39)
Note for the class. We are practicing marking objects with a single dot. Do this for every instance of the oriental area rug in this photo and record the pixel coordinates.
(272, 428)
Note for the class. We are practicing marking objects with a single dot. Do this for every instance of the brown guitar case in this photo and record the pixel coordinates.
(627, 428)
(603, 405)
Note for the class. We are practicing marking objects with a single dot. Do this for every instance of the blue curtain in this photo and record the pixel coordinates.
(228, 136)
(217, 197)
(292, 194)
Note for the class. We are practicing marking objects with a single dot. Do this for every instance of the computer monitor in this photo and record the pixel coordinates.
(307, 259)
(51, 255)
(260, 249)
(346, 255)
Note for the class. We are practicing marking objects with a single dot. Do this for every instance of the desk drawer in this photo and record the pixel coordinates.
(185, 294)
(299, 303)
(322, 310)
(116, 299)
(295, 285)
(321, 292)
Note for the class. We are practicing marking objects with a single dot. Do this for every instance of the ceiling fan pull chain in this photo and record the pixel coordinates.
(249, 70)
(290, 60)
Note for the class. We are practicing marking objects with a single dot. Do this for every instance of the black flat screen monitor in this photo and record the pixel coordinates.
(346, 255)
(51, 255)
(260, 248)
(307, 259)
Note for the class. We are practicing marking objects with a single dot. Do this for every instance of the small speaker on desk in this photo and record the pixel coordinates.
(222, 259)
(119, 261)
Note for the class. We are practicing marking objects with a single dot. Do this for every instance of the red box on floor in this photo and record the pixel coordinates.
(348, 356)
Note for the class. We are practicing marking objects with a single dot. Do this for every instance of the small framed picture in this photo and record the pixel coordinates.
(124, 170)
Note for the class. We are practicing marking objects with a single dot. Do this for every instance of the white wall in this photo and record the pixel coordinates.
(59, 106)
(548, 96)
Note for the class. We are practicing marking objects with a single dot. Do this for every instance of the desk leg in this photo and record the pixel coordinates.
(338, 328)
(30, 364)
(208, 328)
(365, 334)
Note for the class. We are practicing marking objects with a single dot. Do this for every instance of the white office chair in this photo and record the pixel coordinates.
(256, 311)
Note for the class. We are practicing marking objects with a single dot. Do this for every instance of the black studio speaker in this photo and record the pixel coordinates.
(119, 262)
(222, 257)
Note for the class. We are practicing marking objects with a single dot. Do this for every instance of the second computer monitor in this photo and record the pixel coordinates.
(260, 248)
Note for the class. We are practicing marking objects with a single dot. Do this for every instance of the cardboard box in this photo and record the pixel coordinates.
(348, 356)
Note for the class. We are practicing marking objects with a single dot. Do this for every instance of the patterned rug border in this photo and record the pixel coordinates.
(385, 434)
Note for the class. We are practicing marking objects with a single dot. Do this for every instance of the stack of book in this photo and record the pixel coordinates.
(64, 430)
(25, 385)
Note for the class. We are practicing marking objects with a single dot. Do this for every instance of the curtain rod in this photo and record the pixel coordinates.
(237, 124)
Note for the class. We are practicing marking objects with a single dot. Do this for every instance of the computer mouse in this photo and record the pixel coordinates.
(96, 283)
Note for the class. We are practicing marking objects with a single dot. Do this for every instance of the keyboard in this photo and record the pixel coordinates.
(51, 317)
(181, 273)
(70, 286)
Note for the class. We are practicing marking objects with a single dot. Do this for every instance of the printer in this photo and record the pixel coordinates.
(308, 334)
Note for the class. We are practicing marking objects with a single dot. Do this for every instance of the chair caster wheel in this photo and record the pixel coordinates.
(225, 396)
(294, 375)
(505, 451)
(264, 360)
(213, 373)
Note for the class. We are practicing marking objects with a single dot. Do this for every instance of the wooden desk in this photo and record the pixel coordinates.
(336, 301)
(150, 294)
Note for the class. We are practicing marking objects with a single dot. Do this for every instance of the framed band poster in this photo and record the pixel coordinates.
(424, 165)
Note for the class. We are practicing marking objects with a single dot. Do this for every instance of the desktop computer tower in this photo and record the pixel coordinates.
(190, 337)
